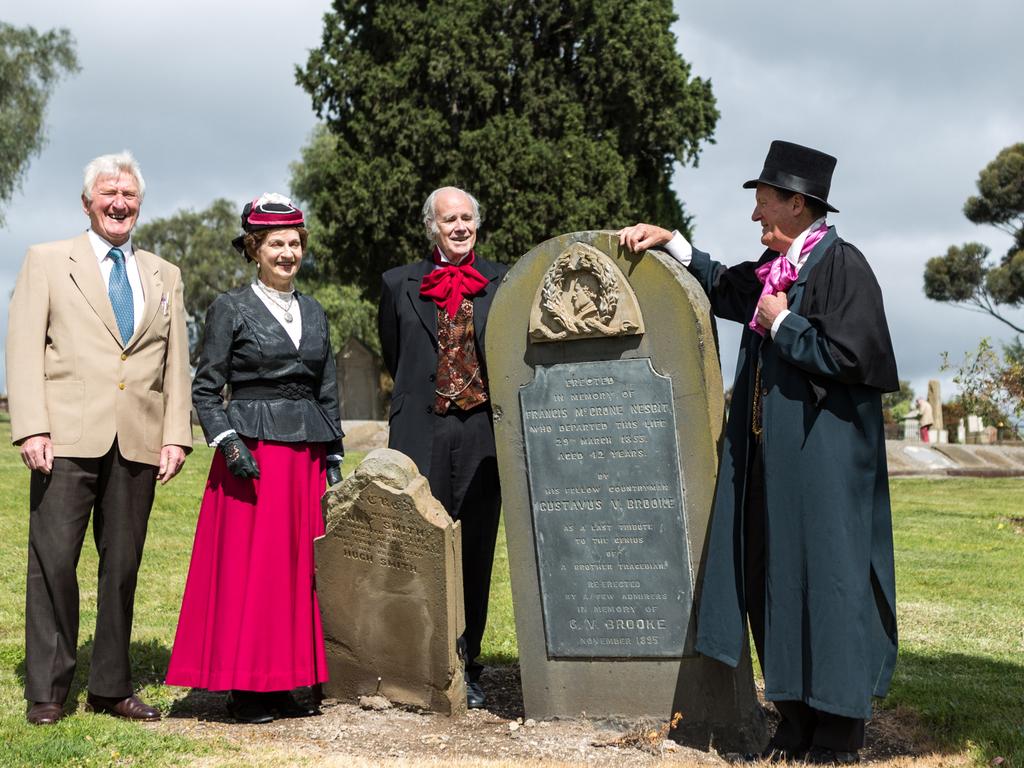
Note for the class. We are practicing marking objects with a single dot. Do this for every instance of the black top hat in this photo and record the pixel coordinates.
(796, 168)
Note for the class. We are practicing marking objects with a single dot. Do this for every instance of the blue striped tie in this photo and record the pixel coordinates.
(121, 296)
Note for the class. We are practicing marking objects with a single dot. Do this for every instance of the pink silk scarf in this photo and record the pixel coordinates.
(779, 274)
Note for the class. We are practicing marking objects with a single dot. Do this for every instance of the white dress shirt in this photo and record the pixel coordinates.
(131, 267)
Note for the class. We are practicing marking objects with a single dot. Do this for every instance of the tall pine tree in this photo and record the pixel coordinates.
(558, 115)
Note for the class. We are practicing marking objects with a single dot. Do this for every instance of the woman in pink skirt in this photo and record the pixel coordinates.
(250, 622)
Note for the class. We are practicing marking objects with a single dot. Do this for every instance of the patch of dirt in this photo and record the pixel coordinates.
(346, 734)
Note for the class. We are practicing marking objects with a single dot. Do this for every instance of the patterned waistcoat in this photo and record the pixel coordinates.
(460, 382)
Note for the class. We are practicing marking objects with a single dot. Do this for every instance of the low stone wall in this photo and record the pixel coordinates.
(906, 458)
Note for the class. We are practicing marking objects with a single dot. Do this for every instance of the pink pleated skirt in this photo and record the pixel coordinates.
(250, 619)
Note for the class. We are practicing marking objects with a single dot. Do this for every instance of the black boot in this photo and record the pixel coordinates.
(826, 756)
(249, 707)
(285, 705)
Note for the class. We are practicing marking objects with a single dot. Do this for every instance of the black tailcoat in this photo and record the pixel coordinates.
(455, 451)
(408, 339)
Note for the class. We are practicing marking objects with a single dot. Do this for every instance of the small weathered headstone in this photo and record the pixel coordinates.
(912, 429)
(390, 588)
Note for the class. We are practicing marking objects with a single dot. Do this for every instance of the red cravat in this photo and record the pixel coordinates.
(447, 284)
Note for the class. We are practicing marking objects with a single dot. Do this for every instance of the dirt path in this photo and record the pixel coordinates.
(346, 735)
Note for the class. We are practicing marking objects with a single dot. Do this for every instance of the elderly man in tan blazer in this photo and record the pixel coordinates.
(99, 394)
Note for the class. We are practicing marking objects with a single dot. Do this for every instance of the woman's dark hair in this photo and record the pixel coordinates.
(253, 240)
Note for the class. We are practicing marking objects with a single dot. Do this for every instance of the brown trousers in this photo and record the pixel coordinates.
(119, 494)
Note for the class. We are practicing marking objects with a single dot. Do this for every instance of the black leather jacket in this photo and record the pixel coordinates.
(279, 392)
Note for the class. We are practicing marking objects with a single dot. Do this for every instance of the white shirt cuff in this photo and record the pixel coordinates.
(778, 321)
(679, 248)
(216, 441)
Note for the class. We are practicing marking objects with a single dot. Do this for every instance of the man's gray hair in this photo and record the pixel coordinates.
(112, 165)
(429, 214)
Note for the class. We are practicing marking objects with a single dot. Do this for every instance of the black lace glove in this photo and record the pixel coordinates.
(333, 472)
(239, 459)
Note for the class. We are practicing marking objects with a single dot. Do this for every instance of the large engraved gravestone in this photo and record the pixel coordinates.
(390, 588)
(612, 558)
(608, 409)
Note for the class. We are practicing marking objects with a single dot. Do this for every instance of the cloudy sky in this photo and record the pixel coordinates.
(913, 99)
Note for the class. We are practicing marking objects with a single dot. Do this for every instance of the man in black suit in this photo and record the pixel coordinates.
(432, 319)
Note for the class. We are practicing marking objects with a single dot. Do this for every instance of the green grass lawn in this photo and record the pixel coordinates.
(960, 598)
(960, 587)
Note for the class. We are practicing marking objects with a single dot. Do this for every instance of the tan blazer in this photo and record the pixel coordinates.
(69, 375)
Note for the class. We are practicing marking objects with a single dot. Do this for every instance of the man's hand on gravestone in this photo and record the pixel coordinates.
(333, 473)
(641, 237)
(239, 459)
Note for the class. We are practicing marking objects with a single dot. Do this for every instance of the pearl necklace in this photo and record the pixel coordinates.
(277, 298)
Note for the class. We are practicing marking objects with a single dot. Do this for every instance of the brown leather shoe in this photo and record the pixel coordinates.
(44, 712)
(132, 708)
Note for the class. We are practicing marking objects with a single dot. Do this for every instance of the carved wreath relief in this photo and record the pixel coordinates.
(584, 295)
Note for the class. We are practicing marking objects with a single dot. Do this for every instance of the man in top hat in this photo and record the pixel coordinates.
(98, 386)
(801, 534)
(432, 321)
